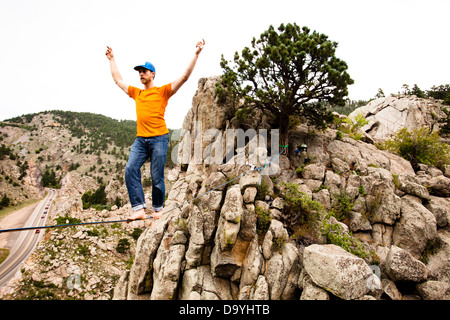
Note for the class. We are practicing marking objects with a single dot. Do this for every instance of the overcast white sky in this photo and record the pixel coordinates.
(52, 53)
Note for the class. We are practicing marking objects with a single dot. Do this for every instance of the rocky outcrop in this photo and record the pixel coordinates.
(211, 243)
(365, 225)
(387, 115)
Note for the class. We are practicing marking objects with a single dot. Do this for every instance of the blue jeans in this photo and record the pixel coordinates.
(154, 148)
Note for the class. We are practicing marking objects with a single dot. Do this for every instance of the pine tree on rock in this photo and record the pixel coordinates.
(288, 71)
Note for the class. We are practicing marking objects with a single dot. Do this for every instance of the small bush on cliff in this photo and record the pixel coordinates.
(353, 126)
(136, 233)
(299, 201)
(66, 220)
(301, 213)
(262, 222)
(342, 206)
(263, 191)
(96, 199)
(419, 146)
(4, 202)
(445, 129)
(335, 234)
(123, 245)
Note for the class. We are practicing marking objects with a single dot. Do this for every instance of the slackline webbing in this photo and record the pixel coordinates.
(253, 168)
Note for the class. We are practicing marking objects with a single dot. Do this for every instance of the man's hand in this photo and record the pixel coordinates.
(180, 81)
(109, 53)
(115, 71)
(199, 46)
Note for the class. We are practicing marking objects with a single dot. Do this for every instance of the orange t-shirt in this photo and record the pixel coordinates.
(150, 108)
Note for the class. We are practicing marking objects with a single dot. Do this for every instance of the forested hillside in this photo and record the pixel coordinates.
(97, 130)
(39, 150)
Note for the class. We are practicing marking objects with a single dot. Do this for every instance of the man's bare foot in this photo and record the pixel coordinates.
(157, 214)
(138, 215)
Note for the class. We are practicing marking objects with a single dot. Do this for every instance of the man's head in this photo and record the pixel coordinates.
(146, 72)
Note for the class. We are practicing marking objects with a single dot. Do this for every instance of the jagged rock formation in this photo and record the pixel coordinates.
(214, 247)
(390, 114)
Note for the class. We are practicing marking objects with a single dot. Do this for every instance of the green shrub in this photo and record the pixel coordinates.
(353, 127)
(420, 146)
(66, 220)
(96, 199)
(263, 219)
(278, 244)
(83, 249)
(303, 213)
(123, 245)
(93, 232)
(299, 200)
(263, 191)
(136, 233)
(431, 249)
(4, 202)
(445, 128)
(342, 206)
(299, 170)
(335, 234)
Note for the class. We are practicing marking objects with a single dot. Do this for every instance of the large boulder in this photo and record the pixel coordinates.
(415, 228)
(314, 171)
(207, 113)
(336, 270)
(312, 292)
(200, 284)
(282, 272)
(232, 209)
(439, 262)
(230, 248)
(440, 186)
(253, 266)
(434, 290)
(440, 208)
(402, 266)
(411, 185)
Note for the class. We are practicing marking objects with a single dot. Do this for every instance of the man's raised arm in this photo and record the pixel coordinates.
(115, 71)
(180, 81)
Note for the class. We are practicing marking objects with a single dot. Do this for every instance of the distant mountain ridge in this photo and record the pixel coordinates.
(97, 126)
(40, 150)
(41, 147)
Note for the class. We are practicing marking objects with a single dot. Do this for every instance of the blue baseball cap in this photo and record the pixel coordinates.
(147, 66)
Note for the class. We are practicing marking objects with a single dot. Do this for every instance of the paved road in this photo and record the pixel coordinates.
(27, 240)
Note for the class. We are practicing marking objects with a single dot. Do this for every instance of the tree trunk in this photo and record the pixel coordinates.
(284, 132)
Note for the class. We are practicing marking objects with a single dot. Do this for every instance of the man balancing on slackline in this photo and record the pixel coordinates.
(152, 138)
